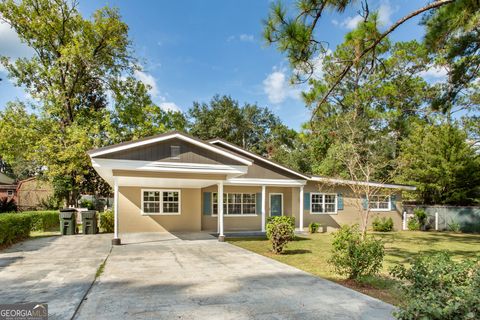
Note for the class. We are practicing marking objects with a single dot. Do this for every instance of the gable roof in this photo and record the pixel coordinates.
(255, 156)
(164, 137)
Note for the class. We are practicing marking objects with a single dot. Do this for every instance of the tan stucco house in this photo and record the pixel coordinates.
(174, 182)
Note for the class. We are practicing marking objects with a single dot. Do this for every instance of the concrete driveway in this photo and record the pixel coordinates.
(53, 270)
(164, 276)
(160, 276)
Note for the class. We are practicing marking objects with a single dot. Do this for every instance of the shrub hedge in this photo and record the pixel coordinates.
(15, 227)
(44, 220)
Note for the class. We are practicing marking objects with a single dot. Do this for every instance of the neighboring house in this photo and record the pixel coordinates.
(32, 192)
(7, 187)
(174, 182)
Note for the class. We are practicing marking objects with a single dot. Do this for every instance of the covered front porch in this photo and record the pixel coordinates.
(194, 206)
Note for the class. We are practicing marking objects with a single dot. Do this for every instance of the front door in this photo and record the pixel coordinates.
(276, 204)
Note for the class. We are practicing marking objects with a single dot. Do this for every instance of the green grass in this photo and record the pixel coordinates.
(311, 252)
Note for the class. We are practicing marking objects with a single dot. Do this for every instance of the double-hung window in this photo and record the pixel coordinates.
(235, 203)
(159, 202)
(323, 203)
(379, 203)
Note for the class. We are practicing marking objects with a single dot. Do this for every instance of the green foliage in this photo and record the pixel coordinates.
(454, 226)
(421, 216)
(76, 64)
(7, 205)
(87, 204)
(383, 224)
(280, 231)
(14, 227)
(436, 287)
(50, 203)
(438, 160)
(107, 221)
(250, 126)
(355, 256)
(43, 220)
(313, 227)
(413, 224)
(453, 38)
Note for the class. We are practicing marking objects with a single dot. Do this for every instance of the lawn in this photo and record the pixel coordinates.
(311, 252)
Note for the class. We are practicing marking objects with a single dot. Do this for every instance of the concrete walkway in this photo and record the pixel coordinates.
(193, 276)
(54, 270)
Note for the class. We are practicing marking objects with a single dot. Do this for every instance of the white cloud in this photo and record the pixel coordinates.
(385, 14)
(170, 106)
(351, 22)
(277, 87)
(154, 92)
(434, 74)
(243, 37)
(246, 37)
(11, 46)
(149, 81)
(318, 64)
(335, 22)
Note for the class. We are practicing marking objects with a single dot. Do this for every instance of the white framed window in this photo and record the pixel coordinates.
(160, 202)
(236, 204)
(380, 203)
(10, 193)
(323, 203)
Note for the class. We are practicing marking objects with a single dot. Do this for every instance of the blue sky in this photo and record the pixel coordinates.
(191, 50)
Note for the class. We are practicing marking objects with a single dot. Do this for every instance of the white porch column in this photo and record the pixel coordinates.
(221, 236)
(116, 239)
(264, 209)
(300, 212)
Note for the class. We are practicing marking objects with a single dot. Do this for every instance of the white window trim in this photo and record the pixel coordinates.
(171, 152)
(270, 202)
(323, 202)
(225, 214)
(382, 209)
(161, 213)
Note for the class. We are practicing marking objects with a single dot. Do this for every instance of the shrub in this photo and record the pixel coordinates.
(435, 287)
(280, 230)
(421, 216)
(354, 256)
(107, 221)
(50, 203)
(14, 227)
(7, 205)
(87, 204)
(44, 220)
(313, 227)
(383, 224)
(454, 226)
(413, 224)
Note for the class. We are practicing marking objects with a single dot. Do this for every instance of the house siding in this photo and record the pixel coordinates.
(350, 213)
(160, 151)
(131, 220)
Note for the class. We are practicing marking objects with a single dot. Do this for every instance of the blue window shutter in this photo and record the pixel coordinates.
(258, 205)
(393, 202)
(339, 201)
(306, 201)
(207, 203)
(364, 202)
